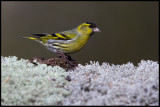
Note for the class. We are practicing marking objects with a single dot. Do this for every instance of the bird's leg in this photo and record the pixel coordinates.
(62, 55)
(71, 61)
(68, 59)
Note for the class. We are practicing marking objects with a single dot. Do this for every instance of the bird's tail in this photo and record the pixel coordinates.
(31, 38)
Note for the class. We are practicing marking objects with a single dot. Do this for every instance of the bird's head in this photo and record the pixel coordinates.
(88, 28)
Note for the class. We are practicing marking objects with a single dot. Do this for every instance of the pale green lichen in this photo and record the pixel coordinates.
(26, 84)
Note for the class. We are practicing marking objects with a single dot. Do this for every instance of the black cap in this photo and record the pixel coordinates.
(92, 24)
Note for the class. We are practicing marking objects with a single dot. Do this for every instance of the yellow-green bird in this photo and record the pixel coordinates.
(67, 42)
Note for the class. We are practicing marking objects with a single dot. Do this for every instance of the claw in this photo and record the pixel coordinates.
(67, 58)
(62, 55)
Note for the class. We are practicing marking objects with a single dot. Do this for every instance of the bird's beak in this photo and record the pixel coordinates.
(96, 30)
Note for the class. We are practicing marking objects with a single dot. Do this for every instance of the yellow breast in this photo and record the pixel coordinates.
(77, 44)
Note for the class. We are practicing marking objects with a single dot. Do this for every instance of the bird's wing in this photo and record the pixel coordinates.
(70, 34)
(55, 36)
(65, 35)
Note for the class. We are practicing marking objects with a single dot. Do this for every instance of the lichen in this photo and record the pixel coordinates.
(26, 84)
(126, 84)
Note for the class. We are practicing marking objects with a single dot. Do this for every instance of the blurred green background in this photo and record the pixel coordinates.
(129, 30)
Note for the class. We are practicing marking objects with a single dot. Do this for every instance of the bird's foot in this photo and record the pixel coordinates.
(62, 55)
(67, 58)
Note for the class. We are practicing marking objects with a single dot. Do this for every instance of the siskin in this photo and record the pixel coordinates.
(67, 42)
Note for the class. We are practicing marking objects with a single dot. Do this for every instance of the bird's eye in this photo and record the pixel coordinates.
(91, 26)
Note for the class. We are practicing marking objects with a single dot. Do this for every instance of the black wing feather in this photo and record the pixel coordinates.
(40, 35)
